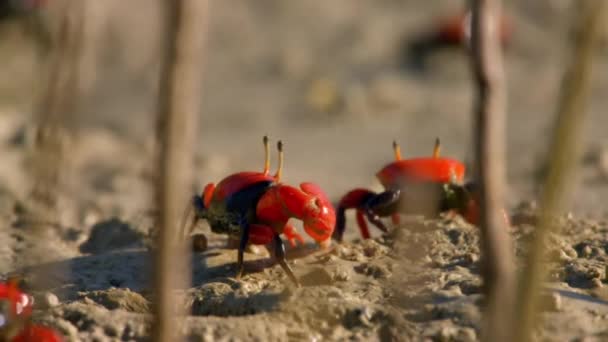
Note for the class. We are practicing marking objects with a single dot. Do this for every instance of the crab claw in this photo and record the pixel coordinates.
(319, 216)
(472, 211)
(308, 204)
(292, 235)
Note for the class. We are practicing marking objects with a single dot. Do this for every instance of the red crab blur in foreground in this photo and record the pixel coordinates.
(424, 185)
(15, 311)
(256, 208)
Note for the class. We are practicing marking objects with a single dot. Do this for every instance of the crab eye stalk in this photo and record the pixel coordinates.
(397, 150)
(437, 148)
(280, 167)
(266, 155)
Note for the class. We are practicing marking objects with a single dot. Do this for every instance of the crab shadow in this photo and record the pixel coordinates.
(131, 269)
(212, 273)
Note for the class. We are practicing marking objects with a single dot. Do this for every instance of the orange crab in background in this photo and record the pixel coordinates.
(423, 185)
(255, 207)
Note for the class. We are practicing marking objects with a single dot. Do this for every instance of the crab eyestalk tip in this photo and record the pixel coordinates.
(266, 155)
(437, 148)
(397, 150)
(280, 167)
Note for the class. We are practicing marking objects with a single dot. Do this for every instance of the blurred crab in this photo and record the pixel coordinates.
(450, 31)
(424, 185)
(456, 29)
(256, 207)
(15, 313)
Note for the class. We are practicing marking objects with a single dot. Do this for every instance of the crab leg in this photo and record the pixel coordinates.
(241, 250)
(381, 204)
(375, 220)
(362, 225)
(279, 254)
(353, 199)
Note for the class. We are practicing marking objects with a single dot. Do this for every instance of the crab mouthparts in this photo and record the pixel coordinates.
(316, 232)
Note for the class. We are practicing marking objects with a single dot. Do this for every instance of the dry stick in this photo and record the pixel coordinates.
(180, 91)
(498, 267)
(565, 153)
(59, 99)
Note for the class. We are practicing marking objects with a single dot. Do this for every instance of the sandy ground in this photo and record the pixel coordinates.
(331, 80)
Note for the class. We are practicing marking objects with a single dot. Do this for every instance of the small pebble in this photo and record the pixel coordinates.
(586, 251)
(555, 302)
(50, 300)
(340, 275)
(471, 258)
(551, 302)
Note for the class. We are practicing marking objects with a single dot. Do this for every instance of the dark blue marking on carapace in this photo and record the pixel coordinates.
(227, 217)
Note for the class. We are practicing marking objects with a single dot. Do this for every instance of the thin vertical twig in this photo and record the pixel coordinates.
(58, 102)
(564, 155)
(498, 267)
(179, 94)
(59, 99)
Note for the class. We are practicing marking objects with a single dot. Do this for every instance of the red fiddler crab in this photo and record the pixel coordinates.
(423, 185)
(256, 208)
(15, 313)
